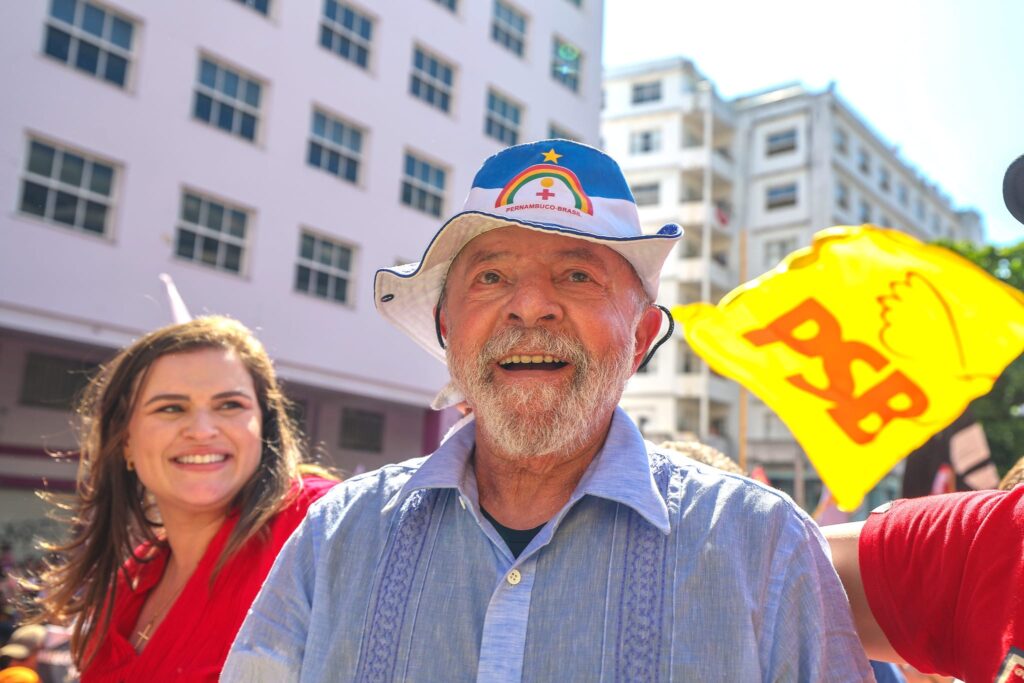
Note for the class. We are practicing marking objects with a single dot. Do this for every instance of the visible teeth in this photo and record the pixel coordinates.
(539, 358)
(204, 459)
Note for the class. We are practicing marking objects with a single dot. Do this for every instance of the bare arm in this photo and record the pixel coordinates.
(843, 540)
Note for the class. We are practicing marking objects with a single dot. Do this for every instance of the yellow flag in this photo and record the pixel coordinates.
(865, 344)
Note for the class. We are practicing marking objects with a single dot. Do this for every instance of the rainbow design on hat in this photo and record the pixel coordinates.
(552, 173)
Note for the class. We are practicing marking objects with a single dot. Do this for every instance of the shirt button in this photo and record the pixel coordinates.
(514, 577)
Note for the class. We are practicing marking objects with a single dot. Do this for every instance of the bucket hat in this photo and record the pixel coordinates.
(551, 186)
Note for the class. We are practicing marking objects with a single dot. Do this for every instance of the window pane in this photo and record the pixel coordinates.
(248, 130)
(40, 159)
(92, 21)
(340, 289)
(229, 86)
(71, 169)
(58, 43)
(306, 247)
(322, 280)
(186, 243)
(33, 199)
(190, 208)
(314, 154)
(101, 179)
(236, 223)
(233, 258)
(116, 69)
(252, 93)
(95, 217)
(326, 254)
(121, 33)
(67, 206)
(302, 278)
(342, 258)
(88, 57)
(64, 10)
(225, 117)
(208, 250)
(208, 73)
(203, 107)
(333, 162)
(214, 216)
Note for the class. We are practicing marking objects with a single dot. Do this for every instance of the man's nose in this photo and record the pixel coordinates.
(533, 302)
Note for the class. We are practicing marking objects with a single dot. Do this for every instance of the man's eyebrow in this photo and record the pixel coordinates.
(580, 254)
(486, 257)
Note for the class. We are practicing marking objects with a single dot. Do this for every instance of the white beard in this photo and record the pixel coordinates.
(543, 420)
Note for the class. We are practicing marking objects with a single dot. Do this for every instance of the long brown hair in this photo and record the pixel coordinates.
(110, 514)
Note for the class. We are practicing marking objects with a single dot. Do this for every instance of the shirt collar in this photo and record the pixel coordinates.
(620, 472)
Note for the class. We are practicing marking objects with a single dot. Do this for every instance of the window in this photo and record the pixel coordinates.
(503, 117)
(449, 4)
(779, 196)
(644, 141)
(841, 141)
(565, 64)
(261, 6)
(211, 232)
(362, 430)
(901, 193)
(509, 27)
(842, 196)
(776, 250)
(884, 179)
(936, 223)
(53, 381)
(66, 188)
(863, 161)
(335, 146)
(94, 40)
(431, 80)
(227, 100)
(346, 32)
(919, 208)
(864, 211)
(324, 268)
(423, 186)
(781, 142)
(646, 194)
(556, 132)
(646, 92)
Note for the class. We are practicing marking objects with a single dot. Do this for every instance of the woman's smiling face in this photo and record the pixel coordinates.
(194, 436)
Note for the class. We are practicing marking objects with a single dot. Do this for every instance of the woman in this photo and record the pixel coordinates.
(190, 482)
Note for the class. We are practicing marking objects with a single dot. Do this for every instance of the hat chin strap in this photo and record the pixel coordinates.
(647, 358)
(664, 337)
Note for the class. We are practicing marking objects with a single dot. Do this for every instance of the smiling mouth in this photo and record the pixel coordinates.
(201, 459)
(532, 362)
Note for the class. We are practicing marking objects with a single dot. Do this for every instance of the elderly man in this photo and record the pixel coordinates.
(545, 540)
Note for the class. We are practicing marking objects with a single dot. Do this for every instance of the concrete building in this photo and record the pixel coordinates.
(750, 179)
(269, 156)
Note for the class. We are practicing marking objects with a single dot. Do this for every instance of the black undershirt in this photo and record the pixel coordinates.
(515, 539)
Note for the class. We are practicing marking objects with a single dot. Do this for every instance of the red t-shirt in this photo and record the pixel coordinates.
(944, 576)
(193, 640)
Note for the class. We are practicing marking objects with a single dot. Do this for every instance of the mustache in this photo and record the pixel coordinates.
(535, 339)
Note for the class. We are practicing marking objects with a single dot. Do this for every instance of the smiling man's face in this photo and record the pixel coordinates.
(542, 333)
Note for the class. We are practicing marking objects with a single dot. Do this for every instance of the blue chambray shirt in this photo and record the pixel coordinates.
(657, 569)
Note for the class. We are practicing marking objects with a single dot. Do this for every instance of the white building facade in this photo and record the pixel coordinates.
(269, 156)
(781, 165)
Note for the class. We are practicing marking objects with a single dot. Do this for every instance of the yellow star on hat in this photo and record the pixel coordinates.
(552, 155)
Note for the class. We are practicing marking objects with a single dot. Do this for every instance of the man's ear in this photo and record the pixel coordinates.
(646, 333)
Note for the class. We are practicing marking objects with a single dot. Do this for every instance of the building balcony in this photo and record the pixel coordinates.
(693, 270)
(700, 157)
(692, 213)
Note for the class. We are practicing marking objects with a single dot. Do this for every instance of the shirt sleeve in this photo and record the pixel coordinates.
(810, 633)
(271, 643)
(919, 574)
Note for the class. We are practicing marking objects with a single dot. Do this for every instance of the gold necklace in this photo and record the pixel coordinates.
(142, 636)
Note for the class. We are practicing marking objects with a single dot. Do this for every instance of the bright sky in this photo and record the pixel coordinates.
(941, 79)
